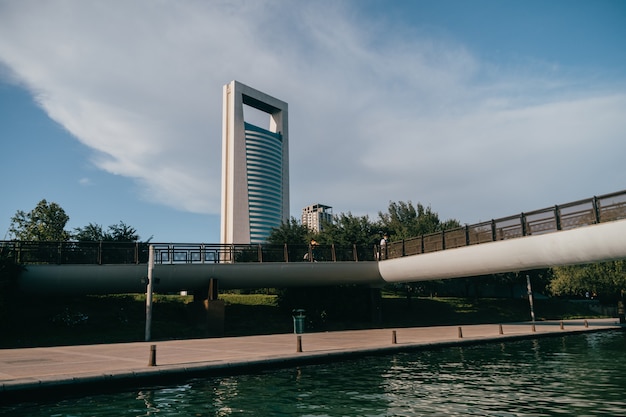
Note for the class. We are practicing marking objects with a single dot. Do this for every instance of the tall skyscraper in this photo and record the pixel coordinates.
(255, 166)
(315, 215)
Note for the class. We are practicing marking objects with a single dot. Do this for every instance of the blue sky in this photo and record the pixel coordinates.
(480, 109)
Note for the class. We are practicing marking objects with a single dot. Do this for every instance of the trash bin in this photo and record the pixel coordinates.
(298, 321)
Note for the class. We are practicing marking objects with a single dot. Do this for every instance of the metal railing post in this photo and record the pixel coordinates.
(596, 209)
(522, 219)
(286, 253)
(557, 217)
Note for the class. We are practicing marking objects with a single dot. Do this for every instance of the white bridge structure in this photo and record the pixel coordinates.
(584, 231)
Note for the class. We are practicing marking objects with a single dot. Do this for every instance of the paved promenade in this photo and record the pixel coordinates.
(27, 372)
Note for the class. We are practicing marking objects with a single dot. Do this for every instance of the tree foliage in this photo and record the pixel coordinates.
(348, 229)
(605, 279)
(120, 232)
(291, 233)
(91, 232)
(403, 221)
(46, 222)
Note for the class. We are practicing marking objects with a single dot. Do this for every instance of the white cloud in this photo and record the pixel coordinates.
(85, 182)
(377, 113)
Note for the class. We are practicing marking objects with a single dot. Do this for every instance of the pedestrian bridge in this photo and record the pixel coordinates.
(584, 231)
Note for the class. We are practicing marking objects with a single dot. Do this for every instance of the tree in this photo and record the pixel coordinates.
(91, 232)
(120, 232)
(347, 229)
(605, 279)
(291, 233)
(404, 221)
(46, 222)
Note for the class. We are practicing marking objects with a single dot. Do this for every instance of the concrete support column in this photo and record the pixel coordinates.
(212, 311)
(213, 289)
(215, 310)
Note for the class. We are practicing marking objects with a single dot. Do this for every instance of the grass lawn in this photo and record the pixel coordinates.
(56, 321)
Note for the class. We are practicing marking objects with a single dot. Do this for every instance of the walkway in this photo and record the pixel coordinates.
(25, 372)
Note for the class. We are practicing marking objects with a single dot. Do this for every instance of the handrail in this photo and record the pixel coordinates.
(102, 252)
(601, 209)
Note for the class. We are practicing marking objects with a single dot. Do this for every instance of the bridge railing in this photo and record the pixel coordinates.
(232, 253)
(605, 208)
(76, 252)
(87, 252)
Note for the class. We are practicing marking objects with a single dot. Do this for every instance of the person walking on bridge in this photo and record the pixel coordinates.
(382, 254)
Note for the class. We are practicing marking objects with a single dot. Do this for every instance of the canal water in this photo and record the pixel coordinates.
(582, 375)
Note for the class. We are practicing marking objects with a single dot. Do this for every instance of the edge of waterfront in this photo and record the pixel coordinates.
(33, 373)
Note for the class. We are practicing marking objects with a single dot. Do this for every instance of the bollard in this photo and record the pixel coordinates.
(393, 338)
(586, 323)
(460, 333)
(299, 344)
(533, 327)
(561, 324)
(152, 359)
(501, 331)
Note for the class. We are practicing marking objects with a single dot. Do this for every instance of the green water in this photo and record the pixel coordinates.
(583, 375)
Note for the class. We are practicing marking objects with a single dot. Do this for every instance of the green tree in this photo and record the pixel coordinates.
(347, 229)
(605, 279)
(93, 232)
(122, 232)
(404, 221)
(291, 233)
(46, 222)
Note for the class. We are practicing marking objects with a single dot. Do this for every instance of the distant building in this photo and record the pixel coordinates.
(255, 167)
(315, 215)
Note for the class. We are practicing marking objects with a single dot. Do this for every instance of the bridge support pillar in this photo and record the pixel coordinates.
(213, 309)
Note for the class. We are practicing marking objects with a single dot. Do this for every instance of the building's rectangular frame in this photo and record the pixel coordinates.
(235, 221)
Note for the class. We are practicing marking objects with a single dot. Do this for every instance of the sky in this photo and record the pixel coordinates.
(479, 109)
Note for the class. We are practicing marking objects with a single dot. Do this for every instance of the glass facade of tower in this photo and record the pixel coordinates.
(264, 158)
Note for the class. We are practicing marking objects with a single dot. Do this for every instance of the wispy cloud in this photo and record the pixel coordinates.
(85, 182)
(377, 113)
